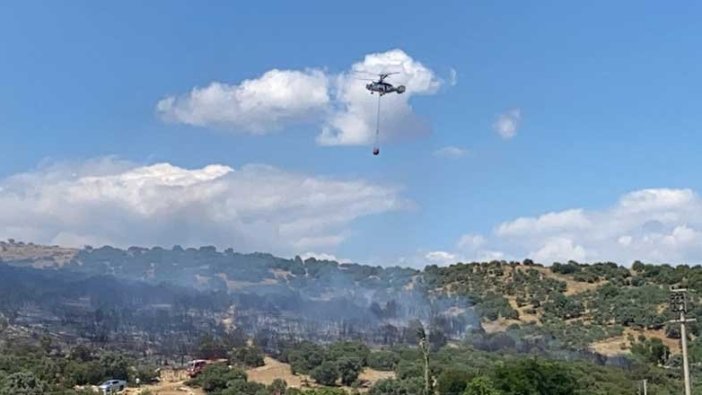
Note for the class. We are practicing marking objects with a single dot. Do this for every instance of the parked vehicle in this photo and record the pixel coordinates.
(112, 386)
(195, 367)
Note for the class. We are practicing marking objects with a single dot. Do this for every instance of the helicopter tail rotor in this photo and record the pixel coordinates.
(400, 89)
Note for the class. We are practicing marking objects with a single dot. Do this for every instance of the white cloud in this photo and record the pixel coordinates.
(321, 256)
(451, 152)
(471, 241)
(656, 199)
(558, 248)
(256, 207)
(652, 225)
(568, 220)
(339, 104)
(507, 123)
(442, 258)
(353, 121)
(254, 106)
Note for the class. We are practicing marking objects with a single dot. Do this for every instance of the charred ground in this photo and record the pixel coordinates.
(158, 303)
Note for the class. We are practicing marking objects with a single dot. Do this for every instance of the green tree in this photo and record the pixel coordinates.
(349, 349)
(251, 357)
(563, 306)
(383, 360)
(325, 374)
(452, 382)
(481, 386)
(349, 368)
(638, 266)
(278, 387)
(414, 386)
(114, 366)
(23, 383)
(534, 377)
(651, 350)
(217, 377)
(304, 357)
(243, 387)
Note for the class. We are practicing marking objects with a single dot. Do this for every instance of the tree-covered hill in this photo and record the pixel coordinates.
(602, 307)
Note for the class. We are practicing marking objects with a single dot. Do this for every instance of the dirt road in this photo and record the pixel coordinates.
(172, 383)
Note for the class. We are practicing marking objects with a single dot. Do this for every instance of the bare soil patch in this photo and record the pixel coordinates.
(618, 345)
(572, 287)
(40, 255)
(273, 369)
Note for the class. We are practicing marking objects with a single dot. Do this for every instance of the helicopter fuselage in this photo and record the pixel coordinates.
(383, 87)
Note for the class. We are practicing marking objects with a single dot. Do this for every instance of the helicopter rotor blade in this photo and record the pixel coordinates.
(364, 72)
(376, 74)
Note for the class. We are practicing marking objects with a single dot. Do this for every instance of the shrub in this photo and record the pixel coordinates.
(349, 368)
(383, 360)
(325, 374)
(251, 357)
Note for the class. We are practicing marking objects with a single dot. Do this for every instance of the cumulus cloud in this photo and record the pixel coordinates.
(255, 207)
(557, 249)
(353, 121)
(471, 242)
(322, 256)
(339, 103)
(441, 258)
(507, 123)
(568, 220)
(651, 225)
(255, 106)
(451, 152)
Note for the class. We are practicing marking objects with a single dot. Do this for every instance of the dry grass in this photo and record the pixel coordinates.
(281, 275)
(572, 287)
(372, 375)
(273, 369)
(499, 325)
(613, 346)
(234, 285)
(621, 345)
(165, 389)
(673, 344)
(524, 317)
(41, 256)
(172, 383)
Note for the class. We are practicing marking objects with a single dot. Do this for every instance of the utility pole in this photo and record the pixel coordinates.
(424, 348)
(678, 304)
(645, 392)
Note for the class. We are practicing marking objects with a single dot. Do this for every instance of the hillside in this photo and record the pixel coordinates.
(601, 307)
(35, 255)
(174, 304)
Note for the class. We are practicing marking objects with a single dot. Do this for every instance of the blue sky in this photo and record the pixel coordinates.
(608, 97)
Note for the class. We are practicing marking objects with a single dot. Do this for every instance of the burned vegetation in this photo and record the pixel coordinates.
(328, 321)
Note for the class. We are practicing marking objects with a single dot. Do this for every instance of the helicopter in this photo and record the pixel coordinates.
(381, 87)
